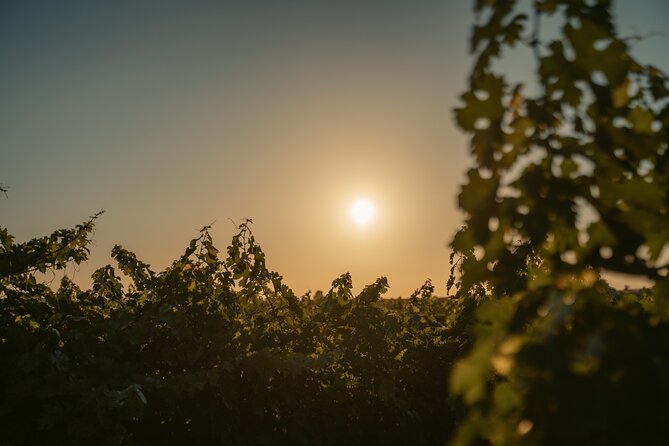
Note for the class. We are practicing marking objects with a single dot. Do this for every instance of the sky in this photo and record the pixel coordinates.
(173, 115)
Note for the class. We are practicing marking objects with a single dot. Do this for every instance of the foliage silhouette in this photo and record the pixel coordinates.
(217, 351)
(568, 182)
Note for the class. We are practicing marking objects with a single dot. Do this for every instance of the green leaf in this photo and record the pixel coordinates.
(619, 94)
(478, 191)
(490, 108)
(505, 398)
(641, 119)
(469, 378)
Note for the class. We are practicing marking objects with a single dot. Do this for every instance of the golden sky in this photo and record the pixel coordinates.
(174, 115)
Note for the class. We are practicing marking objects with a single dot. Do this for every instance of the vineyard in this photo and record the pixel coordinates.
(532, 347)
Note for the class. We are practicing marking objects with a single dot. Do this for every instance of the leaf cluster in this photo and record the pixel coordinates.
(569, 182)
(218, 351)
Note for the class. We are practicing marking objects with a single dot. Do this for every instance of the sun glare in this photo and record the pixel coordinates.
(362, 211)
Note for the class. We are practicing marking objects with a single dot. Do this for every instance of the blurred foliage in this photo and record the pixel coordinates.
(217, 351)
(569, 181)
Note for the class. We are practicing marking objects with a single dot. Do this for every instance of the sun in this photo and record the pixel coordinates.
(362, 211)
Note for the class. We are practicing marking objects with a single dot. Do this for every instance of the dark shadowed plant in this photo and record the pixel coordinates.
(571, 179)
(216, 351)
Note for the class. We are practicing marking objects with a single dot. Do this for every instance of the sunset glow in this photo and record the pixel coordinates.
(327, 123)
(362, 212)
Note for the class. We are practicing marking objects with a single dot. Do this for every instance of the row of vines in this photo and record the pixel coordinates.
(216, 351)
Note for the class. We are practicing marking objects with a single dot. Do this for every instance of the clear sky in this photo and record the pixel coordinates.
(173, 115)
